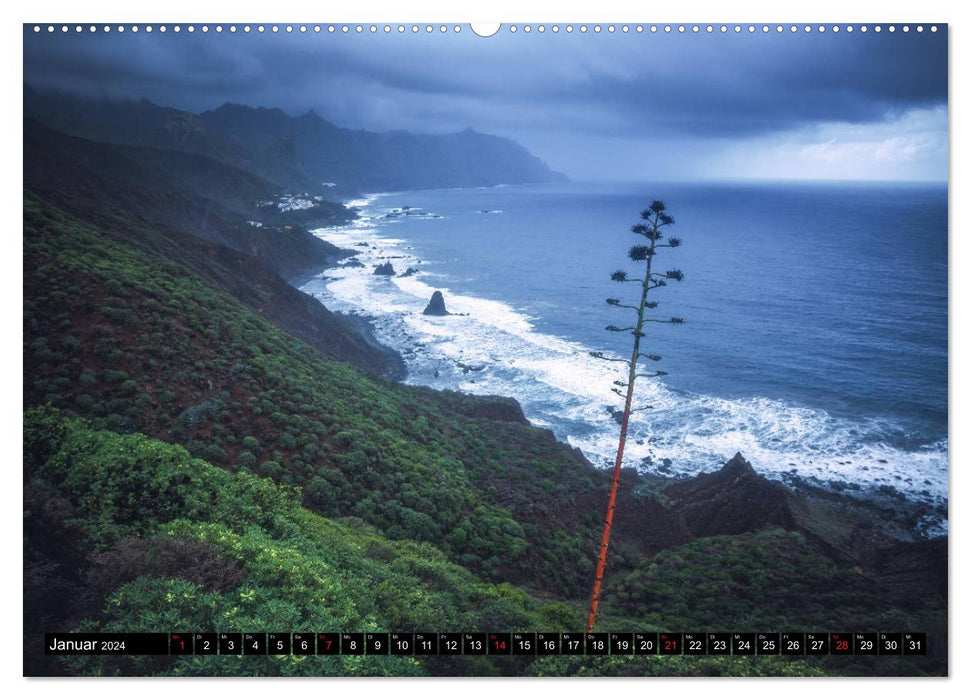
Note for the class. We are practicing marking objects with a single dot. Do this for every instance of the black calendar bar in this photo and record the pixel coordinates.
(875, 644)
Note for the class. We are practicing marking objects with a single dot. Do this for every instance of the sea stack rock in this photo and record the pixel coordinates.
(386, 269)
(436, 307)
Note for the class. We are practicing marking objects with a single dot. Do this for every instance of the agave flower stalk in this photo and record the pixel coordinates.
(653, 220)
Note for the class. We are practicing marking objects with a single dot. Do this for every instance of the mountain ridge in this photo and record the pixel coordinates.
(255, 138)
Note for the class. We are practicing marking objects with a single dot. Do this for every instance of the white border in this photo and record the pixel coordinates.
(519, 11)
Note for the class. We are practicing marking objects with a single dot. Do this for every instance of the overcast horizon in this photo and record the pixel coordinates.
(597, 107)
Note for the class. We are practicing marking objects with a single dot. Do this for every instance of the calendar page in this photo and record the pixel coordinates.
(531, 349)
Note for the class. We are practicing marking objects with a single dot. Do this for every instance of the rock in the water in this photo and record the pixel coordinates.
(436, 307)
(384, 269)
(409, 272)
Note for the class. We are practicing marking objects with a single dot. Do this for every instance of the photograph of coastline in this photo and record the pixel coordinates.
(326, 332)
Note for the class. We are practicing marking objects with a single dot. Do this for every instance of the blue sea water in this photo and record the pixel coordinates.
(815, 339)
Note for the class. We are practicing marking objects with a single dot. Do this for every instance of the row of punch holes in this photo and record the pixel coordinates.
(513, 28)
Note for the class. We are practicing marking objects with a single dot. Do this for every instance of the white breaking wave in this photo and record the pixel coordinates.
(489, 347)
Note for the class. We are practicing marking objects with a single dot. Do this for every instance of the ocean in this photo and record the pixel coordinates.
(815, 334)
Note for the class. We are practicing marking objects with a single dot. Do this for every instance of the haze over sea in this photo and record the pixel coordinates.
(815, 339)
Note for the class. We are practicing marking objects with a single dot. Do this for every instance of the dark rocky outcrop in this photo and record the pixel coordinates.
(436, 306)
(494, 408)
(736, 499)
(409, 272)
(733, 500)
(386, 269)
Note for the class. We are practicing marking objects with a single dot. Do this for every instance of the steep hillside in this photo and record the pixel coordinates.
(181, 191)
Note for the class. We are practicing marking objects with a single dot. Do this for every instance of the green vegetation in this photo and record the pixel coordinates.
(135, 511)
(768, 580)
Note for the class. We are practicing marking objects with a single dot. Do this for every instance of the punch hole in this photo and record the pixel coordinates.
(485, 29)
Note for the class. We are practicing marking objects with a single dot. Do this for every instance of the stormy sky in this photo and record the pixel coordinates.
(594, 106)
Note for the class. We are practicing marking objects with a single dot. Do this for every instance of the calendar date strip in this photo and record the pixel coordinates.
(489, 643)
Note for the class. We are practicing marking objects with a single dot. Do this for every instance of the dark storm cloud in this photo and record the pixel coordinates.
(700, 85)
